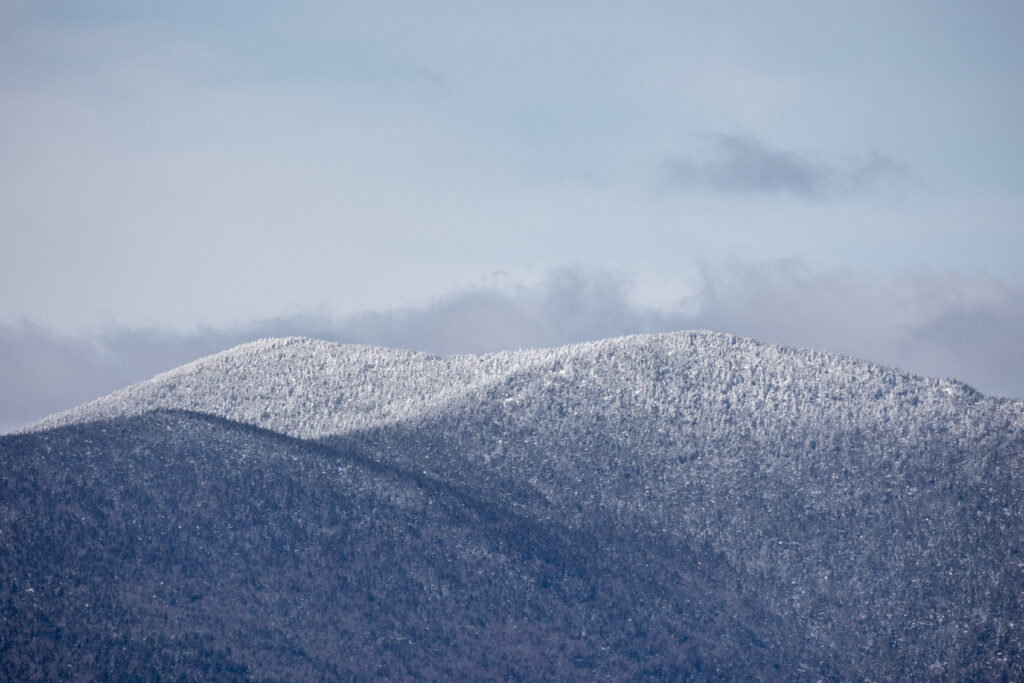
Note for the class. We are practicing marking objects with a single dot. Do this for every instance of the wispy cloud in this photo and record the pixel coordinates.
(938, 324)
(745, 165)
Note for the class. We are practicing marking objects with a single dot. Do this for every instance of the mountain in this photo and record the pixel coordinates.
(690, 505)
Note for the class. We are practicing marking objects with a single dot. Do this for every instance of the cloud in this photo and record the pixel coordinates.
(570, 305)
(937, 324)
(743, 165)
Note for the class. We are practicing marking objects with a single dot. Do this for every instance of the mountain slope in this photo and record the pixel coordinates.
(872, 516)
(314, 389)
(303, 387)
(177, 544)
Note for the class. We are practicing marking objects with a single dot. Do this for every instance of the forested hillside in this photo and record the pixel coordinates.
(180, 544)
(691, 505)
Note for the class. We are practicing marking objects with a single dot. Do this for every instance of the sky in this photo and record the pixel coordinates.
(466, 177)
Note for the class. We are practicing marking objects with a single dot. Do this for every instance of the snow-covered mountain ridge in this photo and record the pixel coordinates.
(314, 389)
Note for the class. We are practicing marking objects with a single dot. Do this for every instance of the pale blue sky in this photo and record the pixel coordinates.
(193, 165)
(182, 163)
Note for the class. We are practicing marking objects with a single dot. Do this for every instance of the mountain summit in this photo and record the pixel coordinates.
(691, 505)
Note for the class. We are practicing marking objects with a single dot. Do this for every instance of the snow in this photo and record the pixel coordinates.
(315, 389)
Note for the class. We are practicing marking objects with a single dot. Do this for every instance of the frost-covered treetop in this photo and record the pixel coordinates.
(314, 389)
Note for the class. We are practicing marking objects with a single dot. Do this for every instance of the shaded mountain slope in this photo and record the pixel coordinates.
(872, 516)
(177, 544)
(895, 551)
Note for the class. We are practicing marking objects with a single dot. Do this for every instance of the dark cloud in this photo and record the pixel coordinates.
(936, 324)
(743, 165)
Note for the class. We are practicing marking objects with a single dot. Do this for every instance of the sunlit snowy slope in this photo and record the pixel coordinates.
(314, 389)
(689, 504)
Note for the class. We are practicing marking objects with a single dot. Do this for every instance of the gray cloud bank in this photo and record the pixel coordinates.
(936, 324)
(743, 165)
